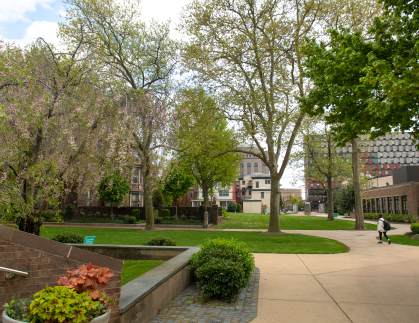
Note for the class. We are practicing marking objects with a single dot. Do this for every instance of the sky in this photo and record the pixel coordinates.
(23, 21)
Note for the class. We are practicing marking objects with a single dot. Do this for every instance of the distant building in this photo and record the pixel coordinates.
(222, 196)
(400, 198)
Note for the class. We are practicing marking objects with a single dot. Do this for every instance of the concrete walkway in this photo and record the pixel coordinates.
(371, 283)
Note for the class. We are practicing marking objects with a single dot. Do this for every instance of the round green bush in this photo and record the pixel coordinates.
(136, 213)
(415, 228)
(158, 220)
(68, 237)
(232, 207)
(70, 212)
(239, 207)
(131, 220)
(160, 241)
(49, 304)
(222, 267)
(165, 213)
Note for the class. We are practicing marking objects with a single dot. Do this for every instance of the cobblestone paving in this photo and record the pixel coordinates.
(185, 308)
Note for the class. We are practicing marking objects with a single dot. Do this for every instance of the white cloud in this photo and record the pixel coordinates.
(44, 29)
(14, 10)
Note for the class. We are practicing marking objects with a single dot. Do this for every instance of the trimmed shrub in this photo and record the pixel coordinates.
(224, 212)
(188, 205)
(415, 228)
(201, 211)
(70, 212)
(48, 216)
(183, 217)
(165, 213)
(131, 220)
(239, 207)
(158, 219)
(160, 241)
(68, 237)
(136, 213)
(232, 207)
(406, 218)
(222, 267)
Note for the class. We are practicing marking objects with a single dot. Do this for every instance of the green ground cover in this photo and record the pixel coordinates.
(134, 268)
(288, 222)
(402, 239)
(263, 243)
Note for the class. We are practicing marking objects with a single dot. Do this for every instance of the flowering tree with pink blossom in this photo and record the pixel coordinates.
(56, 118)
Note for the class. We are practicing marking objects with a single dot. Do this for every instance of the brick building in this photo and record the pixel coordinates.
(400, 198)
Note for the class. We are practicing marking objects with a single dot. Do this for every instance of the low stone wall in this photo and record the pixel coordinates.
(45, 260)
(142, 298)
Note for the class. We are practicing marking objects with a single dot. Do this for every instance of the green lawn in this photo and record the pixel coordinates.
(403, 239)
(134, 268)
(288, 222)
(263, 243)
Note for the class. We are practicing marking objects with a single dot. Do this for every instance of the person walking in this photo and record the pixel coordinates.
(381, 230)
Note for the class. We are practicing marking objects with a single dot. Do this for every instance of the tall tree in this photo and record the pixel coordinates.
(143, 58)
(205, 142)
(54, 116)
(177, 184)
(323, 162)
(112, 189)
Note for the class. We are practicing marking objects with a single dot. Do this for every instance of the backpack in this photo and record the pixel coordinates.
(386, 225)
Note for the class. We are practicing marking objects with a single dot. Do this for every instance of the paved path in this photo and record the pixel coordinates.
(371, 283)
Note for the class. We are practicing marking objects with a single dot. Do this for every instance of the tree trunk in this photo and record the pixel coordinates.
(205, 191)
(274, 225)
(148, 202)
(32, 222)
(359, 216)
(330, 204)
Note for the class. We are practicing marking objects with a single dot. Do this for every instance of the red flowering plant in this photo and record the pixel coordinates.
(90, 279)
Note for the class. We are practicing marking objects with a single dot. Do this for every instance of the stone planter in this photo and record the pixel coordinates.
(100, 319)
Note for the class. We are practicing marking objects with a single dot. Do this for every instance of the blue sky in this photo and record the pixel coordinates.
(22, 21)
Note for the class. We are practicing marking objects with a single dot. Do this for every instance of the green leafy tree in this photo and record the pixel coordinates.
(205, 142)
(250, 51)
(142, 57)
(345, 198)
(177, 184)
(112, 189)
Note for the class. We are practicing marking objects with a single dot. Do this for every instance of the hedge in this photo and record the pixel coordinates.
(406, 218)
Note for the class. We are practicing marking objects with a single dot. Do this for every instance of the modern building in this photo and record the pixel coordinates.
(400, 198)
(379, 157)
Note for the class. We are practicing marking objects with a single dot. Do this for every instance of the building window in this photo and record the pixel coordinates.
(397, 204)
(250, 192)
(241, 164)
(337, 185)
(89, 197)
(318, 185)
(223, 193)
(383, 202)
(386, 172)
(404, 205)
(378, 205)
(373, 205)
(311, 185)
(248, 164)
(256, 165)
(368, 206)
(243, 182)
(390, 204)
(135, 201)
(268, 181)
(257, 184)
(262, 195)
(135, 176)
(364, 205)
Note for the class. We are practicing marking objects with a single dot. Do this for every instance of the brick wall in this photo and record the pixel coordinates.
(45, 260)
(410, 190)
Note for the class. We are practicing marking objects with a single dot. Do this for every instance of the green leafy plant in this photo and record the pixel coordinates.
(60, 304)
(160, 241)
(165, 213)
(70, 212)
(136, 213)
(239, 208)
(222, 267)
(224, 212)
(90, 279)
(18, 309)
(232, 207)
(415, 228)
(158, 219)
(183, 217)
(112, 189)
(68, 237)
(188, 205)
(201, 211)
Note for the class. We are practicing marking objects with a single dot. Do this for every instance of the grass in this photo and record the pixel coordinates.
(288, 222)
(261, 243)
(134, 268)
(403, 239)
